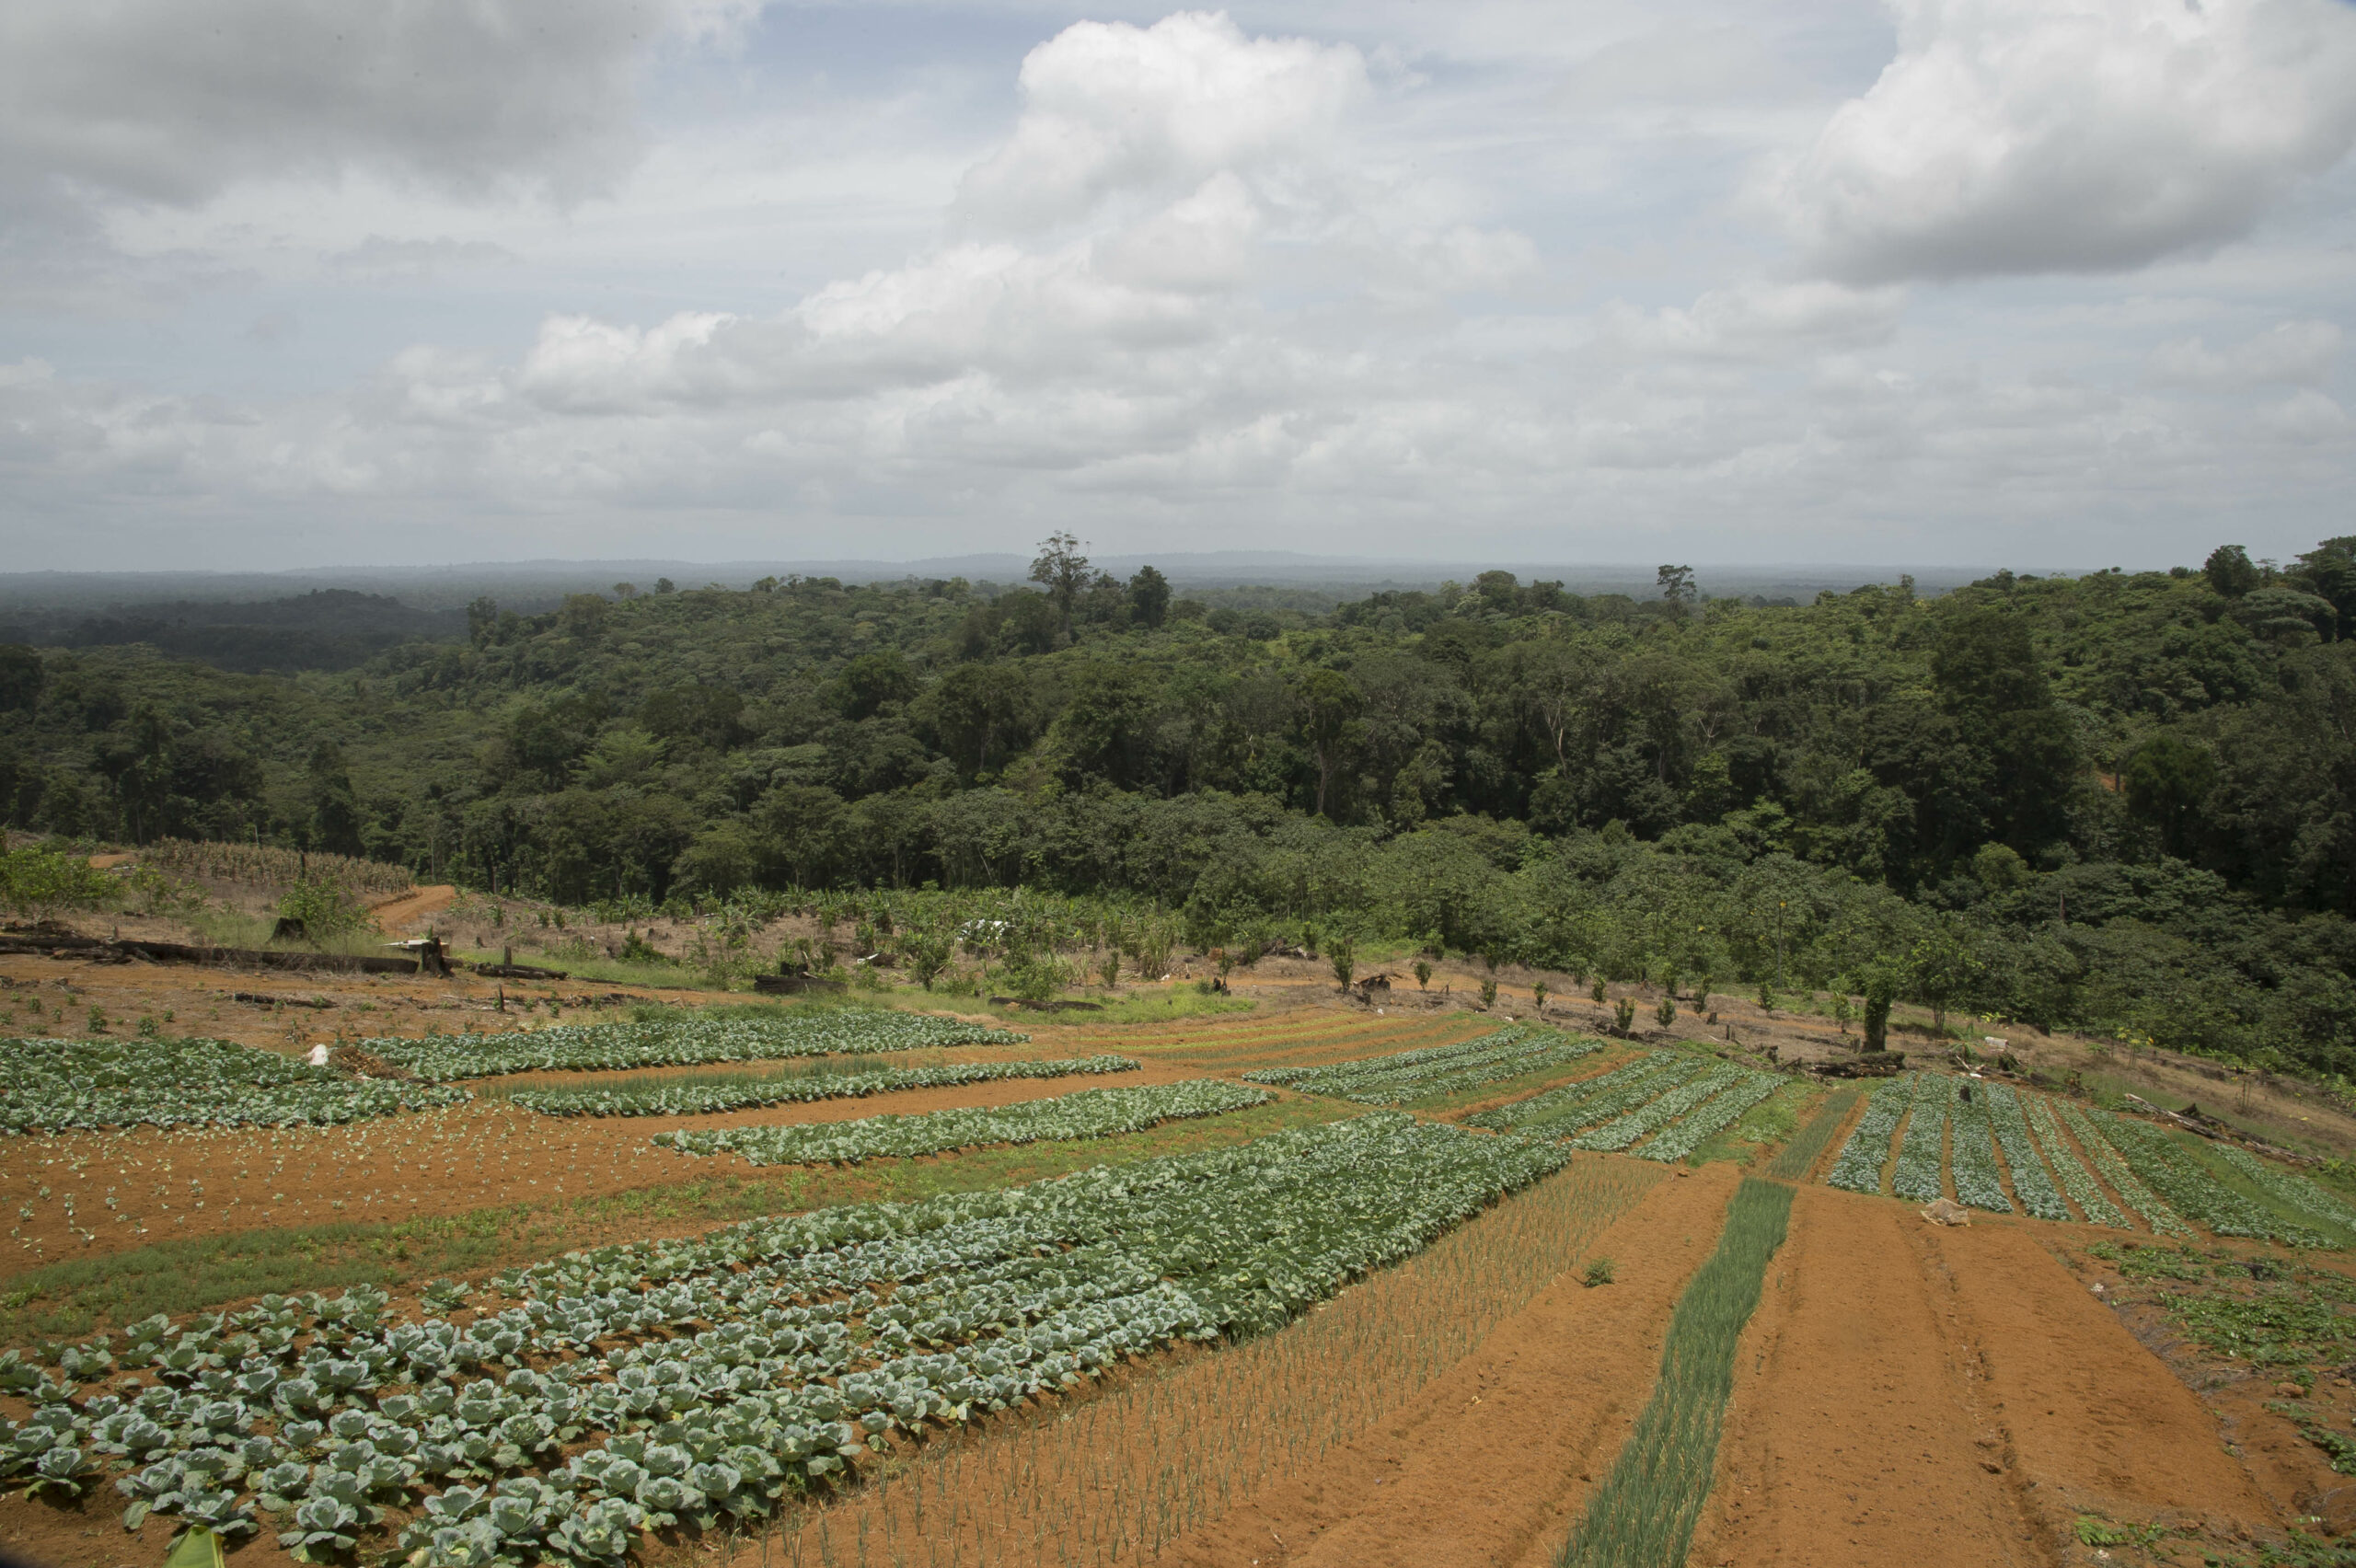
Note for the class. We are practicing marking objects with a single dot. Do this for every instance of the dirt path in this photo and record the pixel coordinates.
(396, 913)
(1490, 1464)
(1962, 1398)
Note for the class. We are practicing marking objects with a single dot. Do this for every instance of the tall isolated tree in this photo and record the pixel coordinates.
(1330, 703)
(1062, 570)
(1676, 584)
(1150, 597)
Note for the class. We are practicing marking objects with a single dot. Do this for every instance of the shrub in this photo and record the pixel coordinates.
(325, 907)
(1880, 990)
(1766, 996)
(1595, 992)
(1538, 996)
(1625, 1012)
(1667, 1011)
(1343, 956)
(1423, 974)
(1598, 1272)
(1488, 993)
(43, 882)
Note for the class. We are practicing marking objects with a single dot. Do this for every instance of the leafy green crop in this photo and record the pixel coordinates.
(1086, 1113)
(676, 1096)
(51, 1085)
(700, 1381)
(686, 1041)
(1437, 1069)
(1722, 1111)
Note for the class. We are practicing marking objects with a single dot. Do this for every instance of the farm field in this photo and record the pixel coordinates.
(817, 1285)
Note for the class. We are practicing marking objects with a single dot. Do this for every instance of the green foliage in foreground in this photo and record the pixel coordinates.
(704, 1379)
(53, 1085)
(1087, 1113)
(686, 1040)
(1643, 1514)
(707, 1093)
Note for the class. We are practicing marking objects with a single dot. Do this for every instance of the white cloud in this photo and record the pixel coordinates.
(163, 100)
(1109, 106)
(2296, 352)
(1755, 320)
(2060, 135)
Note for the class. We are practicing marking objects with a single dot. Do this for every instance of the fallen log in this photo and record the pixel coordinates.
(515, 972)
(100, 950)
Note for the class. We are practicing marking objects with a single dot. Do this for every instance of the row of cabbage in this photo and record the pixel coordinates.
(1667, 1101)
(1087, 1113)
(688, 1040)
(626, 1389)
(678, 1097)
(1720, 1113)
(59, 1085)
(1572, 1108)
(1956, 1127)
(1407, 1076)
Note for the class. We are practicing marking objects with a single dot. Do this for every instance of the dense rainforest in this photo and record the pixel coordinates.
(2122, 800)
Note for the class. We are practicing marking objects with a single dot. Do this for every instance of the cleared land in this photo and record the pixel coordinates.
(1471, 1329)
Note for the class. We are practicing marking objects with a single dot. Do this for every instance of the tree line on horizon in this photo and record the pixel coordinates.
(2124, 800)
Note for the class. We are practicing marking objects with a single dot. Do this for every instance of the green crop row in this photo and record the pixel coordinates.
(57, 1085)
(1658, 1112)
(1643, 1514)
(1439, 1069)
(1722, 1111)
(2123, 1180)
(1920, 1154)
(1086, 1113)
(600, 1397)
(1858, 1165)
(688, 1040)
(2030, 1184)
(677, 1097)
(2076, 1180)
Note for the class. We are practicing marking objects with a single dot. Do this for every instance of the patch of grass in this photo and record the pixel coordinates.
(1771, 1122)
(73, 1296)
(1598, 1272)
(1644, 1511)
(1160, 1007)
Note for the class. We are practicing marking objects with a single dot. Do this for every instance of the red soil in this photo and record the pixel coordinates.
(1909, 1392)
(1491, 1465)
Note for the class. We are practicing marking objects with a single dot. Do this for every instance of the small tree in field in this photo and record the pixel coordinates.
(1538, 996)
(1423, 974)
(1595, 992)
(1488, 993)
(1880, 989)
(1109, 968)
(1667, 1011)
(1623, 1012)
(1340, 952)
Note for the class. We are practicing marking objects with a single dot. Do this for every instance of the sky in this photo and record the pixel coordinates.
(2044, 283)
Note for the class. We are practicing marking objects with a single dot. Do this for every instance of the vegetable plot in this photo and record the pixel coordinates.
(1858, 1165)
(2162, 1178)
(1644, 1511)
(1559, 1113)
(676, 1097)
(2076, 1180)
(1721, 1112)
(637, 1387)
(1621, 1131)
(54, 1085)
(1437, 1069)
(1087, 1113)
(687, 1041)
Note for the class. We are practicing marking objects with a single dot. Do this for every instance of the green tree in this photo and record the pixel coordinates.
(1062, 570)
(2168, 780)
(22, 675)
(1330, 704)
(1150, 597)
(2230, 572)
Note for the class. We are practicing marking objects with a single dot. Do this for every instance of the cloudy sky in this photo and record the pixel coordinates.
(2045, 283)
